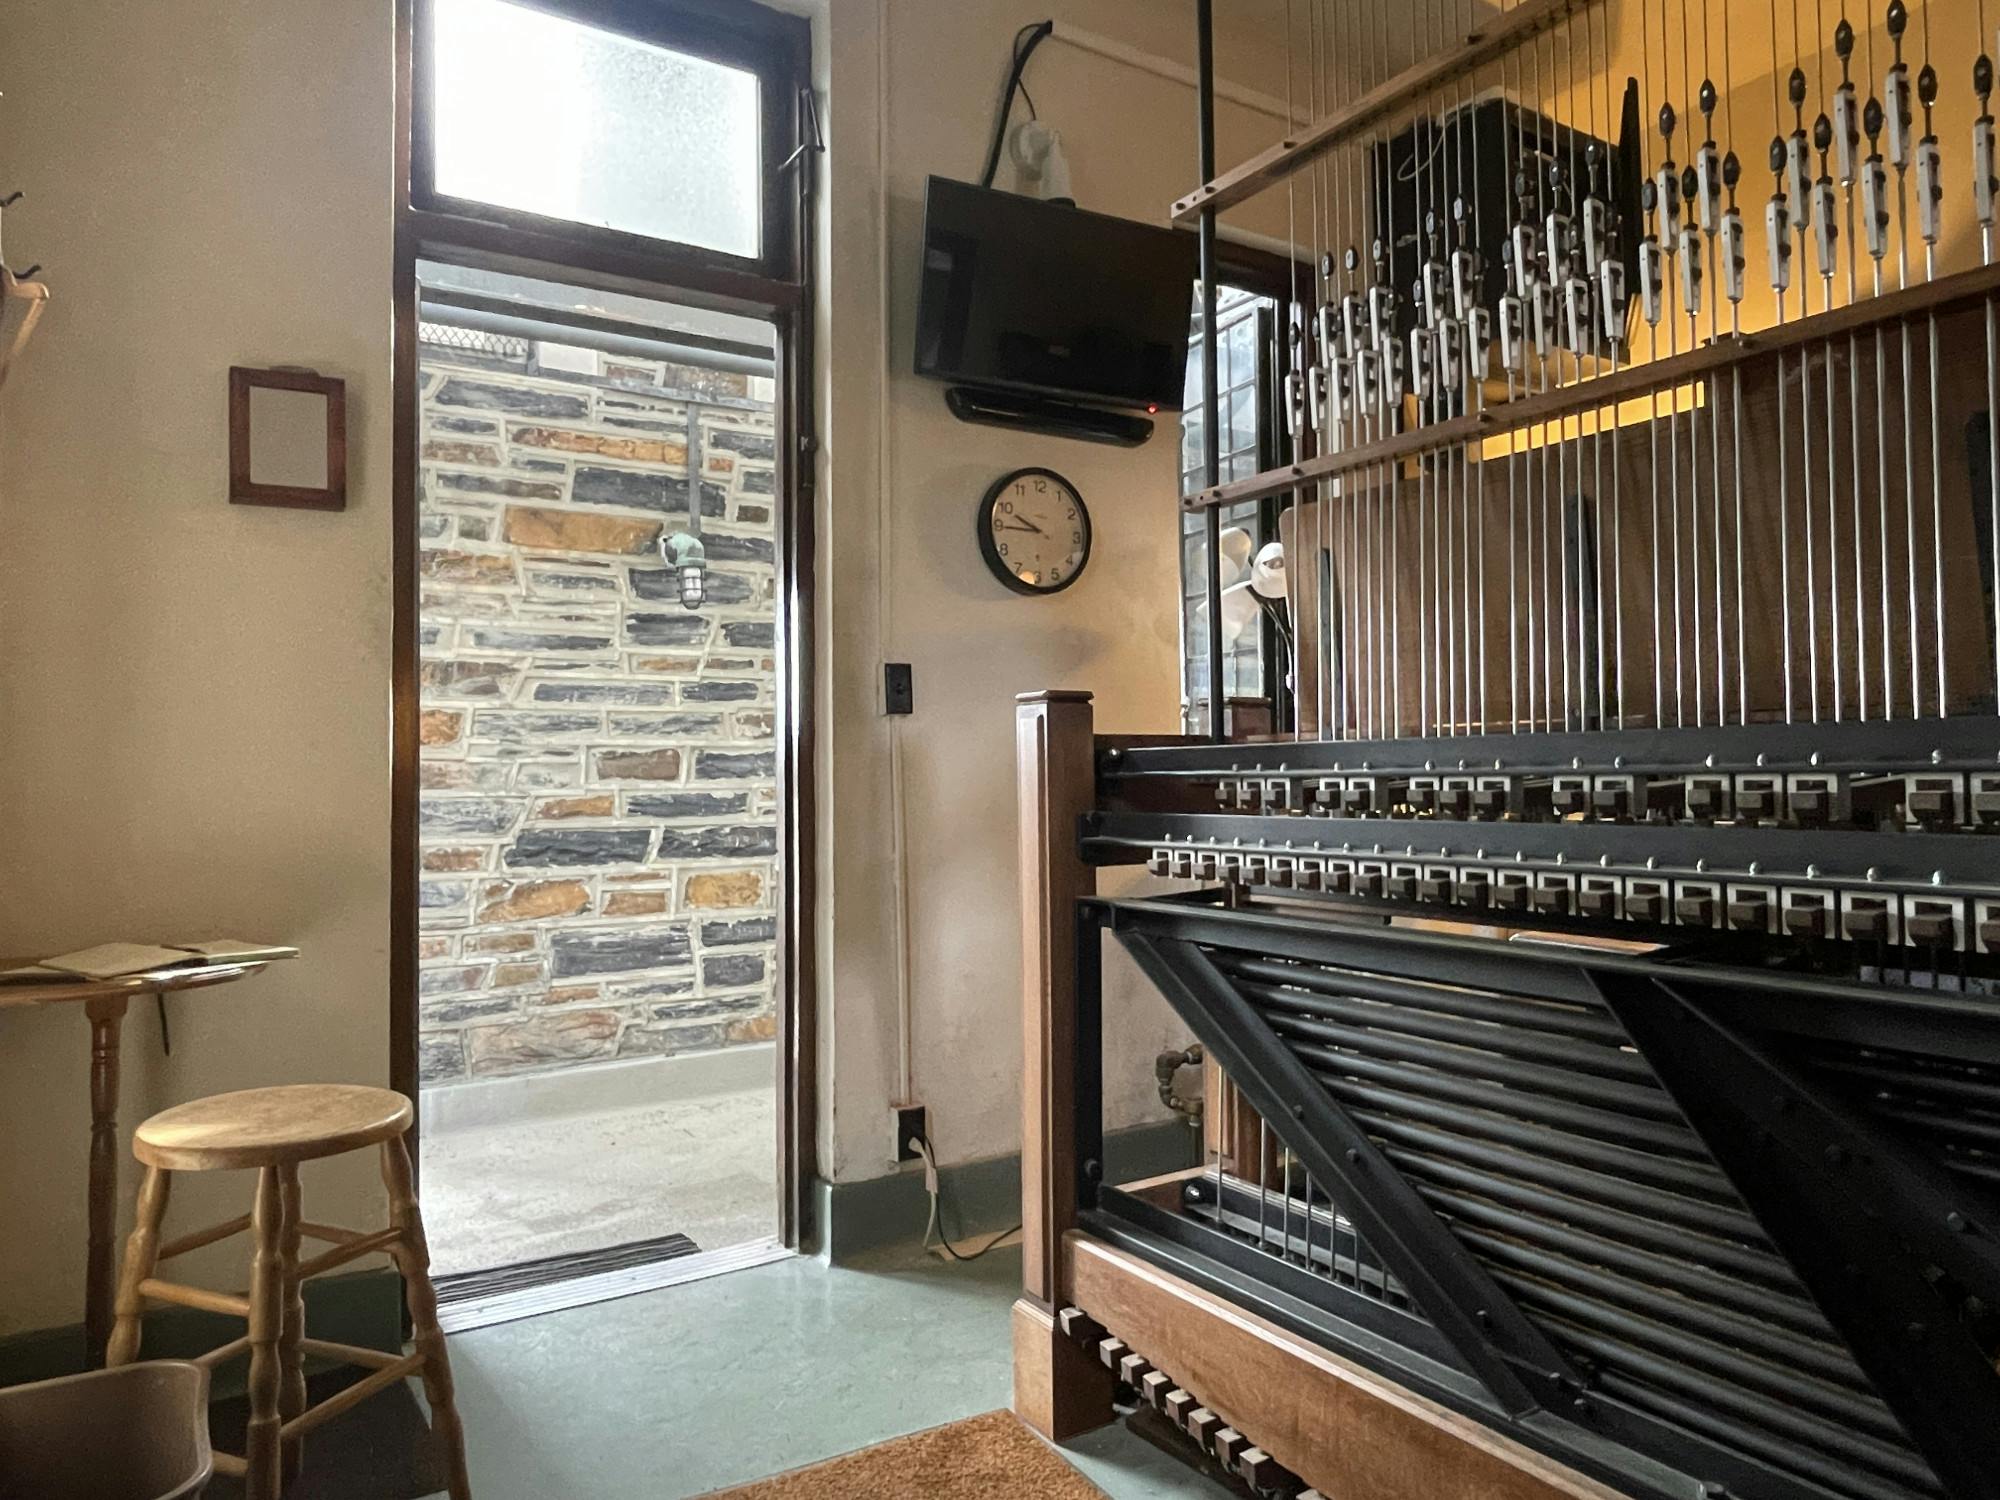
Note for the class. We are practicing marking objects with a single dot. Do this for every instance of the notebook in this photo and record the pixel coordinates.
(120, 960)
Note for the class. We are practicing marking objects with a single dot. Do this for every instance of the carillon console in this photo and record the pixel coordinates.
(1599, 974)
(1839, 848)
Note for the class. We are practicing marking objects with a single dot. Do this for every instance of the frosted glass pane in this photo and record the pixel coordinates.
(543, 114)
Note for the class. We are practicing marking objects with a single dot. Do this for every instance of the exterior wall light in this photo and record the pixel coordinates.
(685, 554)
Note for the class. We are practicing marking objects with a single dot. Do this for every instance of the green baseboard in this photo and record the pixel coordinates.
(860, 1218)
(364, 1308)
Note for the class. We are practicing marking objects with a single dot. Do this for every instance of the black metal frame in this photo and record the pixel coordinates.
(1831, 1188)
(777, 287)
(1961, 1028)
(1866, 1222)
(1519, 1368)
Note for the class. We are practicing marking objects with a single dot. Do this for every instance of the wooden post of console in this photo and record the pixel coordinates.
(1058, 1389)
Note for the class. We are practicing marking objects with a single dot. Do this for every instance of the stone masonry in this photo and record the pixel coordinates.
(599, 805)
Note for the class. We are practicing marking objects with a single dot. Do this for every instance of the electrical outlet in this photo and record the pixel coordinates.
(899, 690)
(911, 1120)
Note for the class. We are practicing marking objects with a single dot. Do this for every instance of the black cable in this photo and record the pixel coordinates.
(1026, 40)
(937, 1213)
(992, 1244)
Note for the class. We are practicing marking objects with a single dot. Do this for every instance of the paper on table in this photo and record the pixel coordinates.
(235, 950)
(116, 960)
(122, 960)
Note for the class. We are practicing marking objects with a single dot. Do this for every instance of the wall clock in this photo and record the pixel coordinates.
(1034, 531)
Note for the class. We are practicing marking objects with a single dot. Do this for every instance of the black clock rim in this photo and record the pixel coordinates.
(983, 524)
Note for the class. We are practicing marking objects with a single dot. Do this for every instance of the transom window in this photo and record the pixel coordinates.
(618, 131)
(539, 112)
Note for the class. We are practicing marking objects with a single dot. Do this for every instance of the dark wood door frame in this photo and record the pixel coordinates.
(779, 288)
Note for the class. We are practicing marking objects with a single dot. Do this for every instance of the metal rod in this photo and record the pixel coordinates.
(1712, 1377)
(1618, 336)
(1805, 1458)
(1392, 1021)
(1640, 1164)
(1847, 144)
(1634, 1100)
(1211, 396)
(1551, 498)
(1476, 350)
(1801, 227)
(1822, 1405)
(1927, 92)
(1711, 190)
(1746, 1326)
(1517, 1014)
(1900, 128)
(1336, 1068)
(1657, 1251)
(1993, 475)
(1985, 193)
(1630, 1208)
(1295, 574)
(1670, 248)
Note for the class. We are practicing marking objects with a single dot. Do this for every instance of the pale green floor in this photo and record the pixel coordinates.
(713, 1383)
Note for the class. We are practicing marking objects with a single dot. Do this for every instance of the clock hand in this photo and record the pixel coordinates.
(1024, 527)
(1027, 525)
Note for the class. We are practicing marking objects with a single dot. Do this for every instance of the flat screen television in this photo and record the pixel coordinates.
(1023, 295)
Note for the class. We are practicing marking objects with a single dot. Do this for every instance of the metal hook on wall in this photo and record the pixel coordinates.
(19, 286)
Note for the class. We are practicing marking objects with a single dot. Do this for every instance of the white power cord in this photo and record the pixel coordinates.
(935, 1229)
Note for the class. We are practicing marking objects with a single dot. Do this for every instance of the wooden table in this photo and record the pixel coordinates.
(105, 1002)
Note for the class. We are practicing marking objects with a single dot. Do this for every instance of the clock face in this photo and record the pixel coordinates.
(1034, 531)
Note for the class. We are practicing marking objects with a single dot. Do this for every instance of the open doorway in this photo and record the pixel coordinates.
(599, 812)
(603, 598)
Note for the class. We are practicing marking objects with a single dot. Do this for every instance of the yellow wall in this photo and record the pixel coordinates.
(1576, 73)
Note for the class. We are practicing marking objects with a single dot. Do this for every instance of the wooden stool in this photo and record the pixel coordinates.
(274, 1130)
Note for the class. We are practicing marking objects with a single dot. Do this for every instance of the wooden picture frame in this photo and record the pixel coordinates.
(243, 490)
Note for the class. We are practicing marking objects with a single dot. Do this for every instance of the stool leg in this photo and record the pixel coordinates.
(413, 1259)
(292, 1331)
(262, 1479)
(142, 1254)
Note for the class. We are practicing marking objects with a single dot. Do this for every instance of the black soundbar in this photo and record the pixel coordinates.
(1047, 414)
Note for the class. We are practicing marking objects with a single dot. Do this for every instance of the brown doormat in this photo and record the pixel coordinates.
(982, 1458)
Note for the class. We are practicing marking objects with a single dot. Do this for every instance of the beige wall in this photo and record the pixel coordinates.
(907, 583)
(193, 695)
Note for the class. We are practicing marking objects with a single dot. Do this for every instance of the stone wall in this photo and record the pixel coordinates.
(599, 805)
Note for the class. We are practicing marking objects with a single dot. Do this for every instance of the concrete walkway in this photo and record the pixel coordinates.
(500, 1192)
